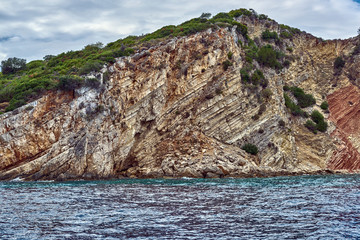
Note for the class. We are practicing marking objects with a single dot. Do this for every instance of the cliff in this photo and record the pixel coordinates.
(181, 108)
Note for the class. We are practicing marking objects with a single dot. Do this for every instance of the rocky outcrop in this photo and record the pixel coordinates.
(173, 110)
(345, 113)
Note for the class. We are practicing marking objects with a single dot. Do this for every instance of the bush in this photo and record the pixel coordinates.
(245, 77)
(91, 66)
(286, 88)
(267, 93)
(12, 65)
(339, 63)
(257, 77)
(222, 15)
(239, 12)
(285, 34)
(304, 100)
(322, 126)
(267, 35)
(250, 148)
(69, 82)
(92, 82)
(324, 105)
(34, 64)
(226, 64)
(240, 28)
(263, 17)
(281, 123)
(295, 109)
(316, 116)
(15, 103)
(230, 55)
(205, 15)
(251, 51)
(311, 126)
(267, 56)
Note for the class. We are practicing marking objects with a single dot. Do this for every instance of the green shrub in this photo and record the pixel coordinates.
(304, 100)
(258, 78)
(69, 82)
(15, 103)
(92, 82)
(316, 116)
(263, 17)
(295, 109)
(285, 34)
(240, 12)
(240, 28)
(250, 148)
(266, 93)
(226, 64)
(311, 126)
(91, 66)
(267, 35)
(205, 15)
(222, 15)
(267, 56)
(262, 109)
(251, 51)
(286, 88)
(322, 126)
(339, 63)
(245, 77)
(289, 29)
(34, 64)
(230, 55)
(324, 105)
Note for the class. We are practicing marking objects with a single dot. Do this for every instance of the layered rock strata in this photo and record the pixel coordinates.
(173, 110)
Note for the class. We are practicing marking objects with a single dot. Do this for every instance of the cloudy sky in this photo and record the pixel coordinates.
(33, 29)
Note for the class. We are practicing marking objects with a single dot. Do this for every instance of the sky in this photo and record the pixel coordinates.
(33, 29)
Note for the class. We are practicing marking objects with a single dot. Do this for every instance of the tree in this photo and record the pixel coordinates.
(12, 65)
(48, 57)
(250, 148)
(205, 15)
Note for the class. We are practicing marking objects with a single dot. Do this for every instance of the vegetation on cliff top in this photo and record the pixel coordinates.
(21, 82)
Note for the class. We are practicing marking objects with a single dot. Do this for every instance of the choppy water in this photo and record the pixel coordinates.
(307, 207)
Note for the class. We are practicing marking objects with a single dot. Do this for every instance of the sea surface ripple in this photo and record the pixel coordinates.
(305, 207)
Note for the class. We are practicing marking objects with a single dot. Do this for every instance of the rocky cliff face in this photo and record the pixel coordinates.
(174, 110)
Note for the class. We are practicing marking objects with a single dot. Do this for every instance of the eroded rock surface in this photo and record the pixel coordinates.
(173, 111)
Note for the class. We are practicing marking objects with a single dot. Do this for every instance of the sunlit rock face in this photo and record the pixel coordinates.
(174, 110)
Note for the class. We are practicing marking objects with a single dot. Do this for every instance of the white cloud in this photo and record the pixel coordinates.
(54, 26)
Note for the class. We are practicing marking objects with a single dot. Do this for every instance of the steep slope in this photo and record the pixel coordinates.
(182, 108)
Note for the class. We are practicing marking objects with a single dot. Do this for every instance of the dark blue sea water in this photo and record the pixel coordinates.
(306, 207)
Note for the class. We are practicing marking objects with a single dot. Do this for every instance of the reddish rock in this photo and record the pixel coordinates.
(345, 113)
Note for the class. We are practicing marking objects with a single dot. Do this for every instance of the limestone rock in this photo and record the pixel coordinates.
(165, 112)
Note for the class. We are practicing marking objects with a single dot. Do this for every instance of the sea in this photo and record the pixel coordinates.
(300, 207)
